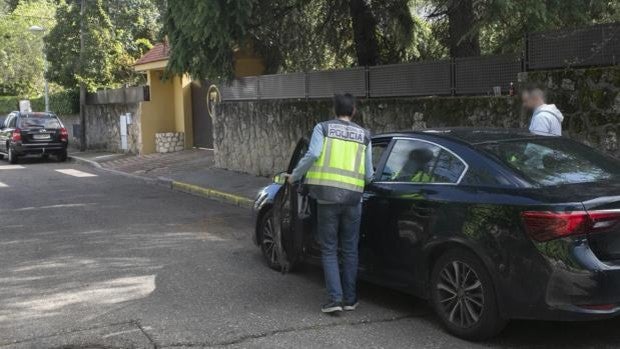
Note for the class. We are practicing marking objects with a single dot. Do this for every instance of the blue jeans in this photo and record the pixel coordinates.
(339, 223)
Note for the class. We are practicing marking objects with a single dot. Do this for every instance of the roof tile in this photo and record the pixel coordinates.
(159, 52)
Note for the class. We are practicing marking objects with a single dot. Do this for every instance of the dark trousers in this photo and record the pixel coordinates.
(339, 225)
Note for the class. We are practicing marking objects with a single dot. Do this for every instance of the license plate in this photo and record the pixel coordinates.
(41, 136)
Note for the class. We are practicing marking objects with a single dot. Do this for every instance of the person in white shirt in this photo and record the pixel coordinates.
(546, 118)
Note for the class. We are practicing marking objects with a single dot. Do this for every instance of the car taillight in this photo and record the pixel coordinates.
(64, 135)
(604, 220)
(544, 226)
(17, 135)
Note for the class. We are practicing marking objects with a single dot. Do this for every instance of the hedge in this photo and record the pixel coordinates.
(61, 103)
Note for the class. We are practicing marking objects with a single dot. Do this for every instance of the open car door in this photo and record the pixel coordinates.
(291, 208)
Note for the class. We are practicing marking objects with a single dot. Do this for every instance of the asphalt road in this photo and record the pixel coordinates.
(110, 261)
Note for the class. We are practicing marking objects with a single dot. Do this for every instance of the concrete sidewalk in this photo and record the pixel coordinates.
(190, 171)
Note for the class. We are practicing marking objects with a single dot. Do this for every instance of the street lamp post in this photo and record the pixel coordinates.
(39, 29)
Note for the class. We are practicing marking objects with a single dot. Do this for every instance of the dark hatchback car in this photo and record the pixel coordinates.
(488, 225)
(33, 133)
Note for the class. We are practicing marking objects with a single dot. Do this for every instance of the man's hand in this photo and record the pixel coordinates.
(288, 178)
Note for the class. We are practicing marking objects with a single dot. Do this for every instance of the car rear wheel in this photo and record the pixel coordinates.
(463, 296)
(62, 156)
(12, 156)
(267, 240)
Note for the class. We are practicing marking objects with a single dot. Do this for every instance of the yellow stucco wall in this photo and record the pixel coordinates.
(158, 115)
(183, 108)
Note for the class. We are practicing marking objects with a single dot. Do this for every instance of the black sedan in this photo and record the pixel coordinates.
(488, 225)
(33, 133)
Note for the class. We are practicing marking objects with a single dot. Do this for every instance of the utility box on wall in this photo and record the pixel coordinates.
(125, 120)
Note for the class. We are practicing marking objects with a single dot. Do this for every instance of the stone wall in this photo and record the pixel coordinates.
(258, 136)
(103, 127)
(169, 142)
(70, 121)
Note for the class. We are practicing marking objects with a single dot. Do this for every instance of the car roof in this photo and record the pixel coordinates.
(35, 114)
(469, 135)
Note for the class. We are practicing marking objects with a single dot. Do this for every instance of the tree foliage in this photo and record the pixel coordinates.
(293, 35)
(21, 51)
(472, 27)
(115, 35)
(296, 35)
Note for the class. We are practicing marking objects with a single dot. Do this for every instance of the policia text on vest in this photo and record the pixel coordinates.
(339, 174)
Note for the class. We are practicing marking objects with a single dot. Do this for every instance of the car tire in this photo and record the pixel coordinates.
(463, 296)
(1, 156)
(266, 240)
(12, 157)
(62, 157)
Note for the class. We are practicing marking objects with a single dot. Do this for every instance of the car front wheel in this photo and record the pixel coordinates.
(463, 296)
(267, 240)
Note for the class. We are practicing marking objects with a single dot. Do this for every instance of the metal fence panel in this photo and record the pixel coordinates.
(324, 84)
(412, 79)
(595, 45)
(241, 89)
(611, 44)
(282, 86)
(478, 75)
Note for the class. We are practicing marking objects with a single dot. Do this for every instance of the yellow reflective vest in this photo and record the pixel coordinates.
(338, 175)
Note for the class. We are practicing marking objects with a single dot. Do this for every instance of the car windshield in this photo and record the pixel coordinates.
(555, 161)
(42, 122)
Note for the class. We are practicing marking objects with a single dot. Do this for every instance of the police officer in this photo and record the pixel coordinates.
(337, 166)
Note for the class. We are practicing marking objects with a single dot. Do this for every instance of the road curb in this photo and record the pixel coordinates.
(212, 194)
(179, 186)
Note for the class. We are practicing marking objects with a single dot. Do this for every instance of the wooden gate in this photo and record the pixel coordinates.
(202, 122)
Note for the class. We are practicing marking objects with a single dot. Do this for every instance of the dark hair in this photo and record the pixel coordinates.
(344, 104)
(535, 90)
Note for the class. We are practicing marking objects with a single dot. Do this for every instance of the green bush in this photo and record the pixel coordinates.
(61, 103)
(8, 104)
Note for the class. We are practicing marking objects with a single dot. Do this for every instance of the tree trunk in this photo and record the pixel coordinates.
(364, 33)
(461, 17)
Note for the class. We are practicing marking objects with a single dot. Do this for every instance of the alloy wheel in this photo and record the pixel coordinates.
(268, 242)
(461, 294)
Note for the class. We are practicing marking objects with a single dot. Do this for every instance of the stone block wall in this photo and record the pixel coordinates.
(258, 137)
(169, 142)
(69, 121)
(103, 127)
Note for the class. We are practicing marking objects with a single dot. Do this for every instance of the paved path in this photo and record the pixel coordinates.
(89, 259)
(195, 167)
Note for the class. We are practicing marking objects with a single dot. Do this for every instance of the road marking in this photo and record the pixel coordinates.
(11, 167)
(52, 206)
(76, 173)
(2, 185)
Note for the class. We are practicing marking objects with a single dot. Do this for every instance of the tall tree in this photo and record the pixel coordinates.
(364, 32)
(116, 34)
(21, 51)
(462, 35)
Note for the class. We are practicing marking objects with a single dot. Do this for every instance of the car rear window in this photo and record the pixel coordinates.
(555, 161)
(42, 122)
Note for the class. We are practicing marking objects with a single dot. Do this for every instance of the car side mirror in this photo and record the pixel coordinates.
(280, 178)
